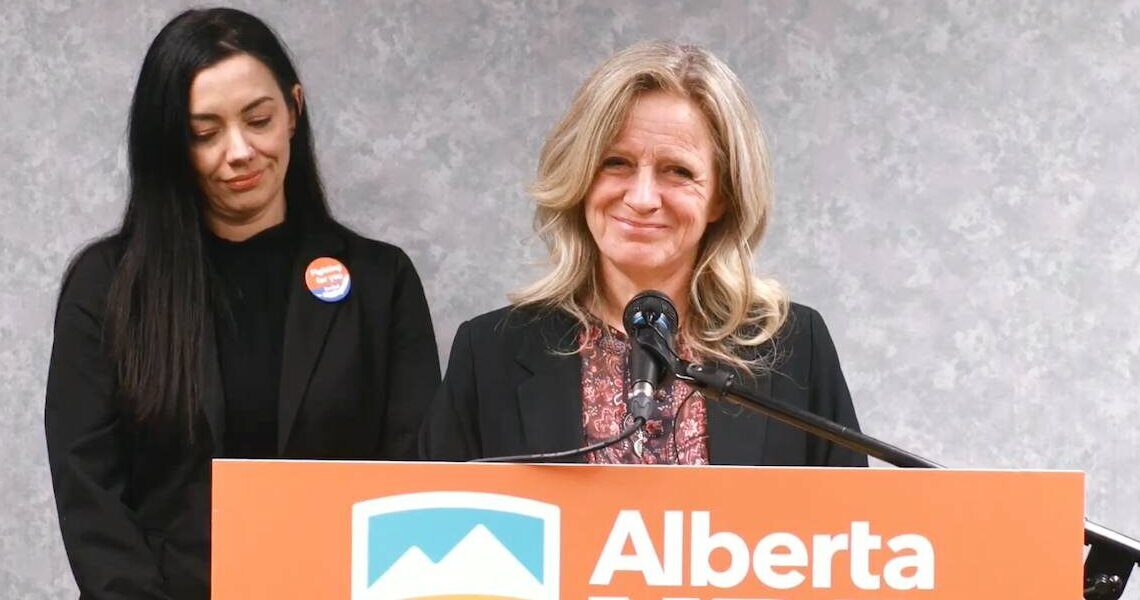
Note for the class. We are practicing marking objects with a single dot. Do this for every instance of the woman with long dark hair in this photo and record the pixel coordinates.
(230, 316)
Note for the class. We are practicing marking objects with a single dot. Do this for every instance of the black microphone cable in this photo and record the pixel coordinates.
(640, 407)
(638, 422)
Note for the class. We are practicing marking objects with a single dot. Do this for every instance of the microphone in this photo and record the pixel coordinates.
(651, 324)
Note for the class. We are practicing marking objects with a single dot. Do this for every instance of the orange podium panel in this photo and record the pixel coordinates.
(319, 530)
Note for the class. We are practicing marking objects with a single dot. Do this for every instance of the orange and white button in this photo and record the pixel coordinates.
(328, 279)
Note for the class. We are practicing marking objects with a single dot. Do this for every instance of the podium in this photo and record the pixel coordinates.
(377, 530)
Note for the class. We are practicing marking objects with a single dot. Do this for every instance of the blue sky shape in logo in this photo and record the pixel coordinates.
(437, 530)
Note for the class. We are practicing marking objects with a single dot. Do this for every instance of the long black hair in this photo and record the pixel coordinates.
(159, 304)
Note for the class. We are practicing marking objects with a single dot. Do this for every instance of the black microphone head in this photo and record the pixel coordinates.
(650, 309)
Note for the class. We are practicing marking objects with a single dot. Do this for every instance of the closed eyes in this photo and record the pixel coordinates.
(209, 134)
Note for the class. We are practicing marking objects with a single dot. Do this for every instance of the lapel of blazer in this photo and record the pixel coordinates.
(737, 434)
(213, 394)
(307, 323)
(549, 396)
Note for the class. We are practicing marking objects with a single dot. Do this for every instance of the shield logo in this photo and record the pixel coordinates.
(452, 545)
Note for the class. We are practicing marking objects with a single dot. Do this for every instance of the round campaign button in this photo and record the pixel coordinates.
(328, 279)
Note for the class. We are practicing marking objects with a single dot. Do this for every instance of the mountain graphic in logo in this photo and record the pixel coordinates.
(452, 545)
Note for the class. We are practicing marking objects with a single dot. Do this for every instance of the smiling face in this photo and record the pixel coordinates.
(654, 193)
(241, 126)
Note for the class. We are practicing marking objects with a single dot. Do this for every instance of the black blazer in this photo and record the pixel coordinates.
(134, 510)
(513, 386)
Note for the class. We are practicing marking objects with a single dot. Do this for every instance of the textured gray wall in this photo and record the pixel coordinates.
(958, 194)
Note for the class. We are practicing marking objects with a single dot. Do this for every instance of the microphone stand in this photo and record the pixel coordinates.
(1111, 557)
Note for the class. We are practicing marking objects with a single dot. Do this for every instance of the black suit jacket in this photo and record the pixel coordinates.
(356, 378)
(513, 386)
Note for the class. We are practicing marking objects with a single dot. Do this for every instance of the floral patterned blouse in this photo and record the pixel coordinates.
(680, 437)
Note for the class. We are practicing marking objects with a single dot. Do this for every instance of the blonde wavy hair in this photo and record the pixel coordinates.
(730, 309)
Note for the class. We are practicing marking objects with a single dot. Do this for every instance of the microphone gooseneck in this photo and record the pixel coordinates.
(651, 323)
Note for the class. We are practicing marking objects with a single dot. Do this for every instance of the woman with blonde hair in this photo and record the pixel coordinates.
(656, 178)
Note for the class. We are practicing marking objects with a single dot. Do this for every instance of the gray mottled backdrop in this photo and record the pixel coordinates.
(959, 194)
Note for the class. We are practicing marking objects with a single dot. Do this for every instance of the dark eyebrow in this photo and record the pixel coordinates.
(245, 109)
